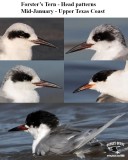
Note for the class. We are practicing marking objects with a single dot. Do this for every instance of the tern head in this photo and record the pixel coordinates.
(38, 123)
(22, 80)
(98, 82)
(23, 34)
(101, 38)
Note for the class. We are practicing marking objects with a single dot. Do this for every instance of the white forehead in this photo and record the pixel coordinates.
(20, 26)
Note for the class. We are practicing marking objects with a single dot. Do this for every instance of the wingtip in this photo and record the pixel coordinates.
(122, 114)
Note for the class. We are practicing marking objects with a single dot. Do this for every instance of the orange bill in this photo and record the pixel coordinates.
(84, 87)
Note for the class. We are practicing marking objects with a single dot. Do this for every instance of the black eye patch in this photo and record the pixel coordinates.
(18, 34)
(102, 75)
(20, 76)
(101, 36)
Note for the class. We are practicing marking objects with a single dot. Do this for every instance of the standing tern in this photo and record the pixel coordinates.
(52, 138)
(17, 42)
(19, 85)
(111, 84)
(108, 42)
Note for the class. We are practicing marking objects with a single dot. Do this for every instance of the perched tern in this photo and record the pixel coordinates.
(108, 42)
(50, 137)
(20, 84)
(112, 84)
(17, 42)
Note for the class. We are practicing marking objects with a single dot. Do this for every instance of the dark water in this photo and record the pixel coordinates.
(52, 71)
(77, 30)
(50, 29)
(17, 146)
(78, 73)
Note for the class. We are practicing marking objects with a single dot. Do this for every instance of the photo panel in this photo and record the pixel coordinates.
(43, 37)
(32, 81)
(87, 81)
(95, 38)
(80, 122)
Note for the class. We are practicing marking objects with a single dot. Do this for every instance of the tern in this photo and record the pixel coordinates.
(112, 84)
(17, 42)
(50, 137)
(20, 84)
(108, 42)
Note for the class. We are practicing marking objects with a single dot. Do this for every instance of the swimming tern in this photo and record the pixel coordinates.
(50, 137)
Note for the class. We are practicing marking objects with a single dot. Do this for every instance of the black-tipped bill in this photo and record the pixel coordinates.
(79, 47)
(19, 128)
(44, 83)
(41, 41)
(83, 87)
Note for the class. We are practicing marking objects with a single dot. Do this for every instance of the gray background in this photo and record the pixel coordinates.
(78, 73)
(52, 71)
(77, 30)
(50, 29)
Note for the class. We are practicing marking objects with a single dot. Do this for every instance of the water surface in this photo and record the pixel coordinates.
(17, 145)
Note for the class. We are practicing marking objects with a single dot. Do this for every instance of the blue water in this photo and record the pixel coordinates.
(17, 145)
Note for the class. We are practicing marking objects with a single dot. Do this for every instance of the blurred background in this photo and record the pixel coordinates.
(52, 71)
(50, 29)
(77, 30)
(78, 73)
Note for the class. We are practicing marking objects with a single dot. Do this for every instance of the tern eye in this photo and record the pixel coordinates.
(23, 34)
(97, 37)
(18, 34)
(32, 124)
(103, 36)
(20, 77)
(102, 75)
